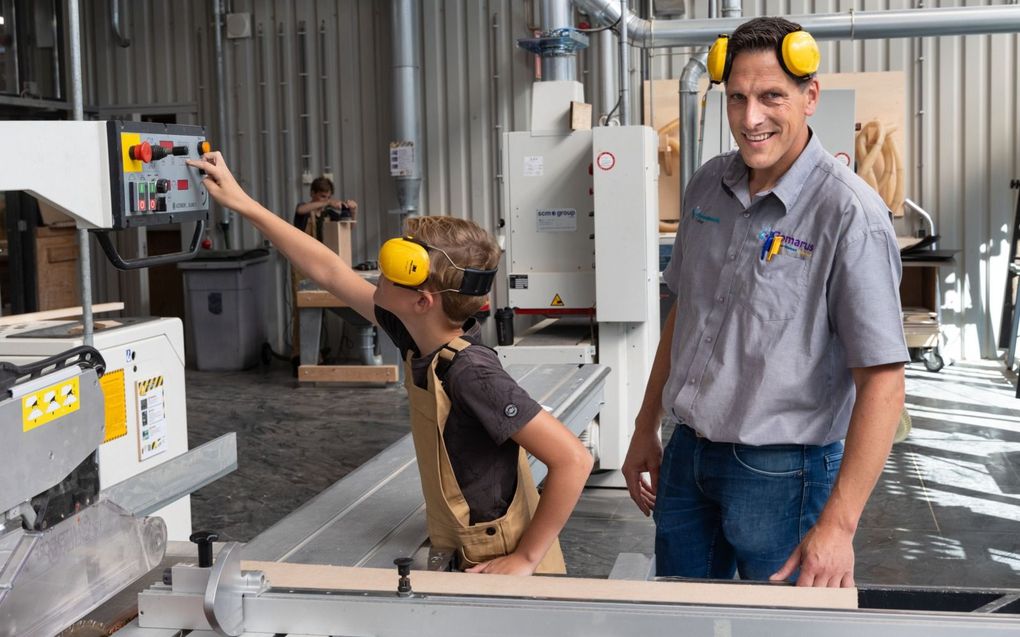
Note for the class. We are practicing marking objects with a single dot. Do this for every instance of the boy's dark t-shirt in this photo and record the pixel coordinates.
(487, 407)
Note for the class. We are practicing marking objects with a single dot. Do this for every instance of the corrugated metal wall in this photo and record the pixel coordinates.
(309, 92)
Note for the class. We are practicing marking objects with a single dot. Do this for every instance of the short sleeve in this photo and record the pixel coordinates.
(864, 300)
(482, 388)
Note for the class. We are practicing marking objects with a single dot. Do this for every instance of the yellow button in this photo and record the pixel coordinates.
(203, 147)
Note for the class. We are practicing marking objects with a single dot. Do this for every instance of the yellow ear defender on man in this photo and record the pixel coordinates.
(405, 262)
(798, 54)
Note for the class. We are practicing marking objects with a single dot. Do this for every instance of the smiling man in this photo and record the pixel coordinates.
(786, 339)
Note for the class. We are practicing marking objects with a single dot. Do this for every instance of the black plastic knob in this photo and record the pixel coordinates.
(179, 151)
(204, 540)
(404, 570)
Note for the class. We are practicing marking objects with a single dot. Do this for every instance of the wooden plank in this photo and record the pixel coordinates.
(63, 313)
(282, 575)
(318, 298)
(347, 374)
(580, 116)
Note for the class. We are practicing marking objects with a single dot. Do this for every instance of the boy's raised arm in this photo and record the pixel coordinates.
(308, 255)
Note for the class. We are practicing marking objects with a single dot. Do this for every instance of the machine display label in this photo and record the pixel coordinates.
(50, 403)
(518, 281)
(534, 166)
(557, 220)
(152, 428)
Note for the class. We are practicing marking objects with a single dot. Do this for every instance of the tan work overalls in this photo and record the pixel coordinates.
(446, 509)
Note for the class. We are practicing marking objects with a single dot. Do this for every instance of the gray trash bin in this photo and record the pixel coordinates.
(224, 305)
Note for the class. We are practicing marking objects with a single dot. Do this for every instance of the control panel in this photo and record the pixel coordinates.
(150, 183)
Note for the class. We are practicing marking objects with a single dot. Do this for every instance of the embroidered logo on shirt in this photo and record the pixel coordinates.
(792, 246)
(701, 217)
(510, 410)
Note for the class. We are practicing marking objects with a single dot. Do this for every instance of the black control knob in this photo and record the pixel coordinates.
(404, 571)
(159, 152)
(204, 540)
(179, 151)
(162, 186)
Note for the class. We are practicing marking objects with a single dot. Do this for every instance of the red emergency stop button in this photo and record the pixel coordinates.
(141, 152)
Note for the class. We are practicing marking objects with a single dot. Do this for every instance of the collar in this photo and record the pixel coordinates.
(789, 186)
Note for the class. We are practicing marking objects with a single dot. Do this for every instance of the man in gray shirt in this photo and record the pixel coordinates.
(785, 339)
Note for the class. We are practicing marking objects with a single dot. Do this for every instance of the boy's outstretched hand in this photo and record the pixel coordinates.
(220, 182)
(512, 564)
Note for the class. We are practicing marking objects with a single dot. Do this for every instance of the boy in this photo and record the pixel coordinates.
(469, 419)
(321, 191)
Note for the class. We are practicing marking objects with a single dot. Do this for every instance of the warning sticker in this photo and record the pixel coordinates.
(557, 301)
(401, 159)
(50, 403)
(151, 417)
(534, 166)
(115, 397)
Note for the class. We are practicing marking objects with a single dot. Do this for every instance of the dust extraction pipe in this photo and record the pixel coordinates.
(852, 25)
(558, 14)
(406, 100)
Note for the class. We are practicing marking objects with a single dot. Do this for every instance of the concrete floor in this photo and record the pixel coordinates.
(945, 512)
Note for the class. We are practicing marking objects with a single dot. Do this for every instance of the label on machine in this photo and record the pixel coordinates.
(152, 427)
(518, 281)
(112, 384)
(557, 220)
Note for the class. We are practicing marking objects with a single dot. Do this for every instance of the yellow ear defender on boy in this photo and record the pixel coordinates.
(798, 54)
(405, 262)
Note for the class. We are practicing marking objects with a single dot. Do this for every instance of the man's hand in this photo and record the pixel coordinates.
(220, 182)
(335, 203)
(512, 564)
(825, 558)
(643, 455)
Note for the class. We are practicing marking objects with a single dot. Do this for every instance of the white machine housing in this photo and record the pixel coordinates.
(144, 349)
(582, 239)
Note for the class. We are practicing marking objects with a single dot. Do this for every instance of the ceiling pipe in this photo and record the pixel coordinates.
(851, 25)
(115, 24)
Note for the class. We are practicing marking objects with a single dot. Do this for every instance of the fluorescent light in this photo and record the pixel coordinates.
(1, 20)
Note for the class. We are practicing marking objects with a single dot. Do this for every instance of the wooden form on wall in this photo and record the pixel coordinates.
(879, 95)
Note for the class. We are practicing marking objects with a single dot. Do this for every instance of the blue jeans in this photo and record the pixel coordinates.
(725, 508)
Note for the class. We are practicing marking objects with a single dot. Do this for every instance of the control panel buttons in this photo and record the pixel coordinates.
(179, 151)
(203, 147)
(162, 186)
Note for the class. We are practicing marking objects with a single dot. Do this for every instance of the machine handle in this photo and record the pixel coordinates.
(121, 263)
(83, 356)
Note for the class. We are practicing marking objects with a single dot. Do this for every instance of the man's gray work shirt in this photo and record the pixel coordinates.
(762, 347)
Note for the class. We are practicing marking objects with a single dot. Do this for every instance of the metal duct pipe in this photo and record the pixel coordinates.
(852, 25)
(121, 40)
(407, 98)
(690, 123)
(607, 85)
(557, 14)
(693, 72)
(624, 67)
(231, 234)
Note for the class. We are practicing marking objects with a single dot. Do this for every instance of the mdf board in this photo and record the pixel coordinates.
(56, 262)
(880, 95)
(339, 578)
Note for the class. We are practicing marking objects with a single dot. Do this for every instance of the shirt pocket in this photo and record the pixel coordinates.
(774, 290)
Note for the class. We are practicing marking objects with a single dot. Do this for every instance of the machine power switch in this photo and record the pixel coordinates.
(203, 147)
(162, 186)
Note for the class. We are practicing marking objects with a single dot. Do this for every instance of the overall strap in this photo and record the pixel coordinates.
(448, 353)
